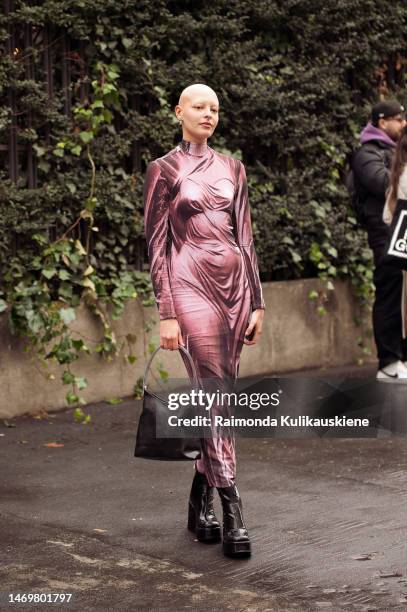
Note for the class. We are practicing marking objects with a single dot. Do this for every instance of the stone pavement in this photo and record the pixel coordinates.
(327, 517)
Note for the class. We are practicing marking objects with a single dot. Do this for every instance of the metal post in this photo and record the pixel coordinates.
(11, 96)
(29, 73)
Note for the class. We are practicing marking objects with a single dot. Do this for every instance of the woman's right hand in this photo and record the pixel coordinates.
(170, 334)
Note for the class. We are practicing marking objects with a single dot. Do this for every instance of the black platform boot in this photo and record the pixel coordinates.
(201, 515)
(235, 536)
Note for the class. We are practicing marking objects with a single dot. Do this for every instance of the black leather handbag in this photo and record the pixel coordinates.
(396, 248)
(154, 408)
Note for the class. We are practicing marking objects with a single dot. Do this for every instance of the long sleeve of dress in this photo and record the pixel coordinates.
(156, 221)
(245, 239)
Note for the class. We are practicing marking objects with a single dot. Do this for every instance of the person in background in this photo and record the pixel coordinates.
(371, 169)
(398, 191)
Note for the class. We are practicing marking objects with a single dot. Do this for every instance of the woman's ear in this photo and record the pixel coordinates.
(178, 112)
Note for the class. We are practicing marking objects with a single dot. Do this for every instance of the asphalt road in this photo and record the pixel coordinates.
(327, 517)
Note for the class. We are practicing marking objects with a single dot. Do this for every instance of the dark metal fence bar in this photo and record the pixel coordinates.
(47, 59)
(30, 74)
(11, 95)
(66, 74)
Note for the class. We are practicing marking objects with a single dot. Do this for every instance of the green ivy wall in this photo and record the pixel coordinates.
(295, 80)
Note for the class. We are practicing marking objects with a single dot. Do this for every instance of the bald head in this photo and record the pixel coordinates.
(197, 90)
(198, 112)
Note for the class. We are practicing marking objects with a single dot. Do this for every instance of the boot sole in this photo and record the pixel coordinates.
(203, 534)
(236, 549)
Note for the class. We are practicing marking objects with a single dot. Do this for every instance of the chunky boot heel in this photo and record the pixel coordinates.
(236, 541)
(201, 515)
(237, 549)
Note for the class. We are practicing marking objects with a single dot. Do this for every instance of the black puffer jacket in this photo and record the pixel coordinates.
(371, 168)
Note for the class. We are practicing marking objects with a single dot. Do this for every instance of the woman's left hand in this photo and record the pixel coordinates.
(254, 327)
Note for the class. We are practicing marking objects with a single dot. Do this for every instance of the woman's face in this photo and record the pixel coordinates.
(200, 115)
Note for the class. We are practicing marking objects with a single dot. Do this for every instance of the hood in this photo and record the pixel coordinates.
(370, 132)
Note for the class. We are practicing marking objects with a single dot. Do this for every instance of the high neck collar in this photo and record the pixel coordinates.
(197, 149)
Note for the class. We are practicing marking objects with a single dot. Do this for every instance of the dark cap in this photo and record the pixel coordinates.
(387, 108)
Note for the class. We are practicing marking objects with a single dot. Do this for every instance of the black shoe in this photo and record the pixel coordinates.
(201, 515)
(235, 536)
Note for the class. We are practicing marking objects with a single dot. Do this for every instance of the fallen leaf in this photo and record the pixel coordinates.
(53, 445)
(395, 574)
(7, 424)
(100, 530)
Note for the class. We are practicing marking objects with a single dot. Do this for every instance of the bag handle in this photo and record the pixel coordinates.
(187, 355)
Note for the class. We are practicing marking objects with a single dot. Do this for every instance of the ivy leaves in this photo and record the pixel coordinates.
(41, 293)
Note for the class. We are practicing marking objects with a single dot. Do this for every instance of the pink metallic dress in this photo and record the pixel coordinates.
(202, 259)
(203, 263)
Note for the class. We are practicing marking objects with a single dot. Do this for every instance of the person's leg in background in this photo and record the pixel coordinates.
(387, 319)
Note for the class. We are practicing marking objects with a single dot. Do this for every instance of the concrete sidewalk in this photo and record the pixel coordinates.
(327, 517)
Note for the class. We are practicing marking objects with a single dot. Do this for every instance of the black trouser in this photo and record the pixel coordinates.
(387, 321)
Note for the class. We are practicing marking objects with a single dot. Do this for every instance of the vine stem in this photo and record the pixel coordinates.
(91, 195)
(64, 235)
(93, 180)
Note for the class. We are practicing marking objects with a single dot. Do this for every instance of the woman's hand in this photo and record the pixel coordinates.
(170, 334)
(255, 326)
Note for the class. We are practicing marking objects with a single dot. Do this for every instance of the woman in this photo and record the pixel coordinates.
(398, 191)
(206, 282)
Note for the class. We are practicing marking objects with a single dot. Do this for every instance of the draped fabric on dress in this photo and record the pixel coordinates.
(204, 268)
